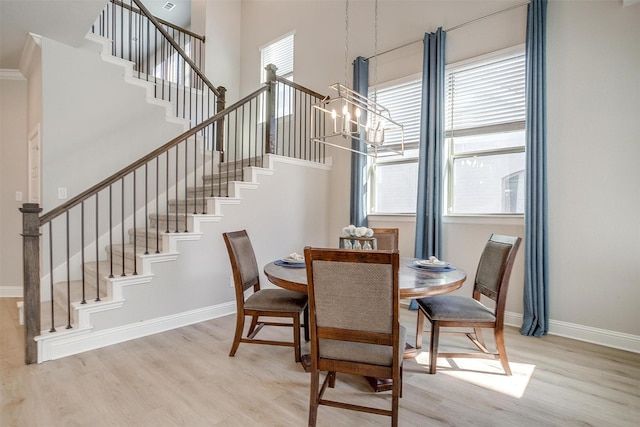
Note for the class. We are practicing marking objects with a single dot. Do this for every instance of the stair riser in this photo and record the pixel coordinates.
(238, 165)
(189, 207)
(165, 224)
(207, 191)
(149, 242)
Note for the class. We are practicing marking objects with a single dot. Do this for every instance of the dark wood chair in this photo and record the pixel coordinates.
(386, 238)
(492, 281)
(262, 302)
(354, 324)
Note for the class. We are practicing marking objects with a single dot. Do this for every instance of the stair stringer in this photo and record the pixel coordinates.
(82, 337)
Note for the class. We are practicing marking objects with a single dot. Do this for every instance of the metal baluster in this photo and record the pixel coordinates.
(97, 252)
(68, 277)
(166, 197)
(146, 208)
(53, 322)
(157, 204)
(122, 225)
(110, 230)
(84, 301)
(135, 234)
(186, 193)
(176, 186)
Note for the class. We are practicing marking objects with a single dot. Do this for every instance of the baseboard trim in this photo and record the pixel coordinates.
(11, 292)
(78, 341)
(588, 334)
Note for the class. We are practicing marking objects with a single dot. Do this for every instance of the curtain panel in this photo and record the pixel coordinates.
(430, 173)
(536, 288)
(359, 184)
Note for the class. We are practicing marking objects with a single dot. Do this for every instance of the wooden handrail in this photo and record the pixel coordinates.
(140, 162)
(160, 20)
(299, 87)
(177, 47)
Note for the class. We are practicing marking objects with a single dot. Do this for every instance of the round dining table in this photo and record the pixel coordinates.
(414, 282)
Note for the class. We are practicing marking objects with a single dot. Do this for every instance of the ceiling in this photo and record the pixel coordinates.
(66, 21)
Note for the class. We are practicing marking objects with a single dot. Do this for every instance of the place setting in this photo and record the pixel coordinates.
(294, 260)
(431, 264)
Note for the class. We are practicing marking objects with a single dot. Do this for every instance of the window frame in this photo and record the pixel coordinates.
(392, 159)
(450, 156)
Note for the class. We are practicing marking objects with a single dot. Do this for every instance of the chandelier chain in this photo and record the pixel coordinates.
(375, 53)
(346, 44)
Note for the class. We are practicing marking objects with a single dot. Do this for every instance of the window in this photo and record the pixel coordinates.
(280, 54)
(394, 180)
(484, 135)
(484, 139)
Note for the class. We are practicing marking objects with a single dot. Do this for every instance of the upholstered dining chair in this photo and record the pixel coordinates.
(354, 320)
(262, 302)
(386, 238)
(492, 281)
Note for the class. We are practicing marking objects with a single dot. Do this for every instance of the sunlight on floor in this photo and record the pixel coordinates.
(484, 373)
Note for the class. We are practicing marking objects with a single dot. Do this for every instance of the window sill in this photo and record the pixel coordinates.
(456, 219)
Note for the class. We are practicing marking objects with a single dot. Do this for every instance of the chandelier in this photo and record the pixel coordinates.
(350, 115)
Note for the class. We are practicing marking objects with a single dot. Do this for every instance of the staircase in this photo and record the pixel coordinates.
(141, 251)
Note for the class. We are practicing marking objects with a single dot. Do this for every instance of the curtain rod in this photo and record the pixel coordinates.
(453, 28)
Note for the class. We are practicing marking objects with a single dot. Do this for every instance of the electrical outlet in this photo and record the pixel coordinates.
(18, 196)
(231, 284)
(62, 193)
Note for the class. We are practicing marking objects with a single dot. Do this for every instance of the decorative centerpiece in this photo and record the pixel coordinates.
(357, 238)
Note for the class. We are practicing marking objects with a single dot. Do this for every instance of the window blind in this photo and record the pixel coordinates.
(280, 54)
(486, 95)
(403, 102)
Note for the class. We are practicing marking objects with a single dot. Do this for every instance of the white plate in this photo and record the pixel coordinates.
(428, 264)
(292, 261)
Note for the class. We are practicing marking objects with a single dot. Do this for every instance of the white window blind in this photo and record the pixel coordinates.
(403, 102)
(485, 95)
(280, 54)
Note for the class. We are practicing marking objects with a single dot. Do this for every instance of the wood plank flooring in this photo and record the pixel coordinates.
(184, 377)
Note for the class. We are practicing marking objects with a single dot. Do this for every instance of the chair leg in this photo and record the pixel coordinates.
(254, 323)
(394, 408)
(238, 335)
(332, 379)
(502, 351)
(296, 336)
(314, 397)
(433, 346)
(306, 323)
(479, 336)
(419, 328)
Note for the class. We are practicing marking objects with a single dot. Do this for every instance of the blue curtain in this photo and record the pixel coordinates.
(536, 289)
(429, 206)
(358, 211)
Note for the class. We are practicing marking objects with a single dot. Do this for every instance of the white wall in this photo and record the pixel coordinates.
(222, 48)
(13, 163)
(592, 104)
(85, 128)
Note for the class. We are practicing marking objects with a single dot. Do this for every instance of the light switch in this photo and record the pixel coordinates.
(62, 193)
(18, 196)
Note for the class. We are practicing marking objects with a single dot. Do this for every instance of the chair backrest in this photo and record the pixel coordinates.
(494, 269)
(386, 238)
(353, 296)
(243, 262)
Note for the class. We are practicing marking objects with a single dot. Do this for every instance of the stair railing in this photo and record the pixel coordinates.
(169, 56)
(159, 193)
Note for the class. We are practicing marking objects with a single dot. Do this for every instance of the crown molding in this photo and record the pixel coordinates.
(31, 49)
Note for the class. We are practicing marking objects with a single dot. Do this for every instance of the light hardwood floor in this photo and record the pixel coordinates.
(184, 377)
